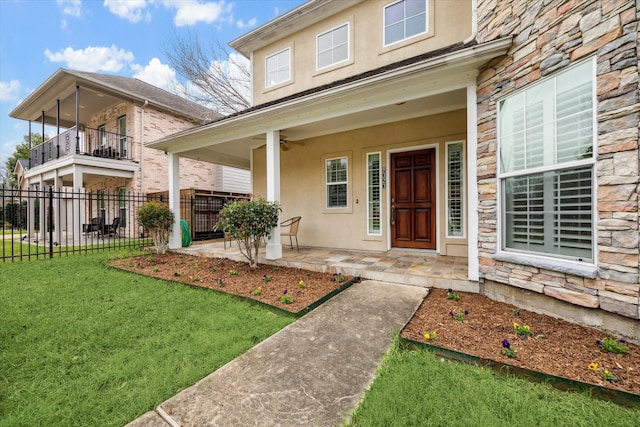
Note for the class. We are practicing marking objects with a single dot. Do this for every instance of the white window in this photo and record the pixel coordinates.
(122, 206)
(333, 46)
(404, 19)
(122, 130)
(373, 194)
(336, 173)
(455, 190)
(102, 135)
(546, 136)
(278, 68)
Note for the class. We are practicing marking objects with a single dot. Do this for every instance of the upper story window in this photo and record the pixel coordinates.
(278, 68)
(404, 19)
(546, 138)
(333, 46)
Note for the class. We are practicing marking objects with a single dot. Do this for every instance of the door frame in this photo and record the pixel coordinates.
(388, 184)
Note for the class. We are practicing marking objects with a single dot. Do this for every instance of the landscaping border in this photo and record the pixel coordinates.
(616, 396)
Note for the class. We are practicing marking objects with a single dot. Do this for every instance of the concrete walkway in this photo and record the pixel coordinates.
(311, 373)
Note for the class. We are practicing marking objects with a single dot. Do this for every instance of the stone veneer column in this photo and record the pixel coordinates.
(547, 37)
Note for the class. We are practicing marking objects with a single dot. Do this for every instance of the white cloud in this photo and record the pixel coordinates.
(157, 74)
(92, 58)
(193, 11)
(9, 90)
(131, 10)
(249, 24)
(71, 7)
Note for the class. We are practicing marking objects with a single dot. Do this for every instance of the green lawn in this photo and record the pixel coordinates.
(84, 344)
(417, 388)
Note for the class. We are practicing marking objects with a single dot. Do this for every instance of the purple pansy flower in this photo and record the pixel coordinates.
(506, 343)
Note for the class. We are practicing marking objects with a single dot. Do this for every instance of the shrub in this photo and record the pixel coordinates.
(248, 221)
(157, 219)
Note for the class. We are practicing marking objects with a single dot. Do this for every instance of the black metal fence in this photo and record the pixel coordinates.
(38, 224)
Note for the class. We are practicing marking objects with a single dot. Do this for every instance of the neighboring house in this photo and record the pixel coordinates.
(102, 123)
(504, 132)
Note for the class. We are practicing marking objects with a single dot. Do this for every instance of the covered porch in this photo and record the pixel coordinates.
(416, 268)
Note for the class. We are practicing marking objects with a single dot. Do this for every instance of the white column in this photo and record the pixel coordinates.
(79, 201)
(42, 227)
(274, 246)
(472, 182)
(30, 212)
(175, 241)
(57, 208)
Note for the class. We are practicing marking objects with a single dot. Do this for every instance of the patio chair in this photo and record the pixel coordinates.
(292, 231)
(112, 229)
(95, 226)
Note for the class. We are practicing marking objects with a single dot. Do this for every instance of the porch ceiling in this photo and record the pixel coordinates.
(433, 86)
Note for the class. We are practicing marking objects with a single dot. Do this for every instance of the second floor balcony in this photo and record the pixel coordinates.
(89, 142)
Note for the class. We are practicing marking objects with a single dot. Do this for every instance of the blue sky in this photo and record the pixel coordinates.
(123, 37)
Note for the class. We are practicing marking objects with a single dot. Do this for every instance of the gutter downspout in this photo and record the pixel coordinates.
(146, 102)
(474, 22)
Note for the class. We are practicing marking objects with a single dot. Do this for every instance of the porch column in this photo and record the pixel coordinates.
(79, 201)
(274, 246)
(57, 207)
(175, 241)
(31, 215)
(472, 182)
(42, 226)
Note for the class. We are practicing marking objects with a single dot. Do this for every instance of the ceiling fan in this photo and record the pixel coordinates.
(284, 144)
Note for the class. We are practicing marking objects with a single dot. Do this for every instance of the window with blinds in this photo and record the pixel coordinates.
(455, 190)
(546, 136)
(336, 174)
(373, 194)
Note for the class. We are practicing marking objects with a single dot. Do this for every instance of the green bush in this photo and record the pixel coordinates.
(157, 219)
(248, 222)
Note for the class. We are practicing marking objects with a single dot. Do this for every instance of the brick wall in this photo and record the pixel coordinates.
(157, 124)
(548, 36)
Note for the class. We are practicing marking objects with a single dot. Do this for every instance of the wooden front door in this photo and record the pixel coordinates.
(413, 199)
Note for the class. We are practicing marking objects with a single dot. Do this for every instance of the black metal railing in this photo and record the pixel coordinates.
(36, 224)
(91, 142)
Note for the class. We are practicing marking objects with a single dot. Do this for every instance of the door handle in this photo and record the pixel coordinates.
(393, 212)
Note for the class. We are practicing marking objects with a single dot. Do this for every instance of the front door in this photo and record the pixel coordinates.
(413, 199)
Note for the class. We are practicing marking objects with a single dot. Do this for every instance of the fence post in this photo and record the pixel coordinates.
(50, 222)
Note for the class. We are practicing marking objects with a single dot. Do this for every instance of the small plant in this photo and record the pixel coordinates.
(452, 296)
(607, 375)
(257, 291)
(430, 336)
(593, 366)
(212, 268)
(516, 312)
(157, 219)
(302, 284)
(221, 283)
(523, 331)
(156, 269)
(176, 263)
(221, 263)
(507, 350)
(338, 277)
(194, 278)
(266, 278)
(149, 259)
(274, 269)
(613, 346)
(176, 274)
(459, 316)
(286, 298)
(233, 272)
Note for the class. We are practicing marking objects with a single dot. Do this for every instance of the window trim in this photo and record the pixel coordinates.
(463, 190)
(266, 69)
(318, 67)
(122, 137)
(368, 201)
(568, 264)
(405, 39)
(326, 191)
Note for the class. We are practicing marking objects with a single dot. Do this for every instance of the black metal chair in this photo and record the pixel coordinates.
(112, 229)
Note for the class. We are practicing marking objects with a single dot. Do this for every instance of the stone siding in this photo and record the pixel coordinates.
(547, 37)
